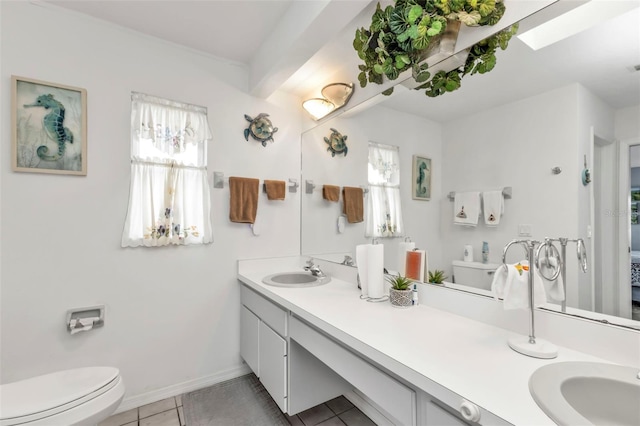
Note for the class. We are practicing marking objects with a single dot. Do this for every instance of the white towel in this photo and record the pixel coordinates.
(512, 286)
(555, 288)
(466, 208)
(493, 203)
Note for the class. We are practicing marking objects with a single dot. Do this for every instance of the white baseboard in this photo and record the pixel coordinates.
(136, 401)
(365, 405)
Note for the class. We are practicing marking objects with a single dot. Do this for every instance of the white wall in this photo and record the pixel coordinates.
(515, 145)
(172, 313)
(413, 135)
(627, 123)
(595, 126)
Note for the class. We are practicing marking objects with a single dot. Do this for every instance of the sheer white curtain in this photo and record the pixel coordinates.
(383, 217)
(169, 201)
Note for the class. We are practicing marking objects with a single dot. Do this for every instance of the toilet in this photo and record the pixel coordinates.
(474, 274)
(81, 396)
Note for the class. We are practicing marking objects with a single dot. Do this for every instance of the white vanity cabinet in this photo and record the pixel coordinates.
(295, 379)
(250, 339)
(391, 395)
(439, 414)
(273, 364)
(302, 365)
(263, 345)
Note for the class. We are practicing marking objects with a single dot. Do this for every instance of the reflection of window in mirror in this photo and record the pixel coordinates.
(383, 217)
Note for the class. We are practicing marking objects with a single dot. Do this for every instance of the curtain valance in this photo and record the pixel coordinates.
(169, 125)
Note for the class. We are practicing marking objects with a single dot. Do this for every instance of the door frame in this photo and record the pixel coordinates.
(624, 227)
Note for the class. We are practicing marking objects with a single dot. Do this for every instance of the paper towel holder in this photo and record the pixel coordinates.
(86, 312)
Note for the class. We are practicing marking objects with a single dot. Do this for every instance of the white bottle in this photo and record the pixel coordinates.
(468, 253)
(414, 294)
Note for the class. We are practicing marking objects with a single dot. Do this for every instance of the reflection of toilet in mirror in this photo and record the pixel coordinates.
(80, 396)
(473, 274)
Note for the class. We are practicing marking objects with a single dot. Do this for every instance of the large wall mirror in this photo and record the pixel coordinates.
(532, 125)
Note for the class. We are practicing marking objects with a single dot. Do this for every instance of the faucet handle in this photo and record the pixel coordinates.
(348, 260)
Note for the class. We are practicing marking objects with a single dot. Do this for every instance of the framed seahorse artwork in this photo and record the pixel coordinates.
(421, 182)
(49, 127)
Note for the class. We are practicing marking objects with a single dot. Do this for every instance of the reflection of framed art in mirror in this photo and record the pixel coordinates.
(421, 180)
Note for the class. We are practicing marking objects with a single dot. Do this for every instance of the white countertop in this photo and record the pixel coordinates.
(424, 346)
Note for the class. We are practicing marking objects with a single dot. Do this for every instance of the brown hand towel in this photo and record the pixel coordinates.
(353, 204)
(331, 192)
(244, 199)
(275, 189)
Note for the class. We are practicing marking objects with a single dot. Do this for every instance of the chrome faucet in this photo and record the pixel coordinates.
(314, 269)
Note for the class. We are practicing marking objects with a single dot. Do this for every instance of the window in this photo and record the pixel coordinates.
(383, 216)
(169, 201)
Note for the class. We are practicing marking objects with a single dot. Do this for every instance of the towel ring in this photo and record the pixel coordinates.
(506, 249)
(582, 254)
(549, 247)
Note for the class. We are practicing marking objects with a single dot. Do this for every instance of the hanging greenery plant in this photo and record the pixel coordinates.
(400, 36)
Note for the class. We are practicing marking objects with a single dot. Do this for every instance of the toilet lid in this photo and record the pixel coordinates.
(38, 396)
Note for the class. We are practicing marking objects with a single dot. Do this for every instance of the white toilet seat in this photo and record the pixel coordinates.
(76, 396)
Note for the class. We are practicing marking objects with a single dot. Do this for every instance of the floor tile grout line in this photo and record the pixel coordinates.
(159, 412)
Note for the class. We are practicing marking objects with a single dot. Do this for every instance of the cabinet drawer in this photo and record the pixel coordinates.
(271, 314)
(437, 415)
(391, 395)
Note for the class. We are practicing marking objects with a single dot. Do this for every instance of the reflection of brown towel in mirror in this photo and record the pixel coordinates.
(353, 204)
(331, 192)
(275, 189)
(244, 199)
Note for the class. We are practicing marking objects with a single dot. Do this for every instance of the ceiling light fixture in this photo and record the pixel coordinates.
(335, 96)
(574, 21)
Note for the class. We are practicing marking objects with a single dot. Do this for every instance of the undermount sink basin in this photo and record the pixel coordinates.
(295, 279)
(583, 393)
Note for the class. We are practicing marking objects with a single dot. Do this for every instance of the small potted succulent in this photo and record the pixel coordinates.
(437, 276)
(400, 293)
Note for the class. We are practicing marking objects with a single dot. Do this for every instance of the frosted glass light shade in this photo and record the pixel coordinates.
(338, 93)
(334, 96)
(318, 107)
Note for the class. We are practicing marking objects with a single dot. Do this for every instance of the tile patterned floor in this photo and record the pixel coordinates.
(168, 412)
(337, 412)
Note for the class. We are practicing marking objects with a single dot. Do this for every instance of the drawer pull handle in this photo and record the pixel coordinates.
(470, 411)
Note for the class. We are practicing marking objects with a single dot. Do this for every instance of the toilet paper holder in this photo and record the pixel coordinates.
(75, 315)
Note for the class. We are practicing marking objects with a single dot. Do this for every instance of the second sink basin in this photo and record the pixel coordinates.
(583, 393)
(294, 279)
